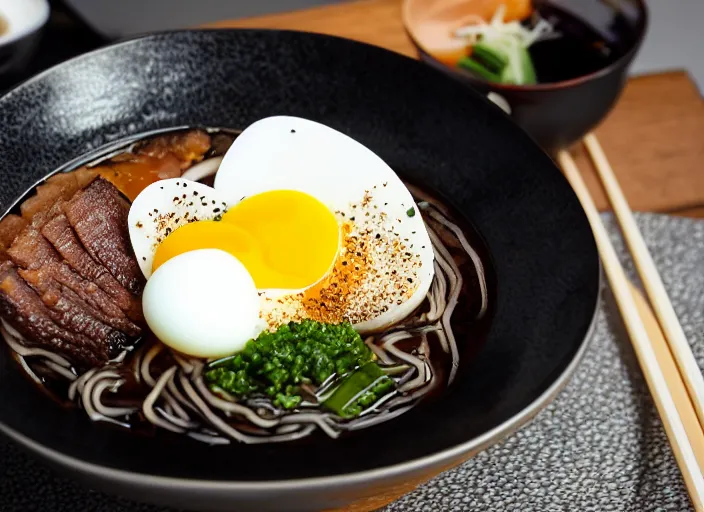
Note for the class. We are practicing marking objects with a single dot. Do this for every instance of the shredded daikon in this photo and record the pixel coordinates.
(497, 29)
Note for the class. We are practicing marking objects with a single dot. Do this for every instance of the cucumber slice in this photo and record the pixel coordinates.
(477, 69)
(491, 56)
(520, 70)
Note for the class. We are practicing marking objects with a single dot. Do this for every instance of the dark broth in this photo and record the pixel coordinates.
(594, 34)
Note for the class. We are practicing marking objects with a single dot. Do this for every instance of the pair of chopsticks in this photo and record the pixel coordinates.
(671, 372)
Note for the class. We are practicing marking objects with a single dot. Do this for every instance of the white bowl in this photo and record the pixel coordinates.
(25, 19)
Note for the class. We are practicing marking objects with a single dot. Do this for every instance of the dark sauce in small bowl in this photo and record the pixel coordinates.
(589, 36)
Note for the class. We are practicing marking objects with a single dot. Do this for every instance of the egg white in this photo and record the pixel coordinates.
(164, 206)
(202, 303)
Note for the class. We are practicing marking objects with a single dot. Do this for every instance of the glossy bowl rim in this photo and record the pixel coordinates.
(423, 54)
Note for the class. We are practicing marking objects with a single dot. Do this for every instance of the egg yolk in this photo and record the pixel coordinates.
(208, 234)
(285, 239)
(297, 234)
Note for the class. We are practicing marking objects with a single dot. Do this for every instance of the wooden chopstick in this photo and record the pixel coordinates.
(674, 426)
(672, 375)
(652, 282)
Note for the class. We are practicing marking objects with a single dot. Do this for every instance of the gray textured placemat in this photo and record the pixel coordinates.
(599, 446)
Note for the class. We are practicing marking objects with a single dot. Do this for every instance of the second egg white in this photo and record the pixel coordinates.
(202, 303)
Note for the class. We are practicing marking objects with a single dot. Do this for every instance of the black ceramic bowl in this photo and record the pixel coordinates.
(421, 123)
(559, 114)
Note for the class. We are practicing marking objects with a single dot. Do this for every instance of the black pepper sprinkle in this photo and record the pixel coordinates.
(352, 218)
(378, 236)
(216, 210)
(162, 188)
(409, 280)
(195, 192)
(156, 211)
(185, 185)
(293, 131)
(344, 263)
(143, 258)
(184, 196)
(178, 183)
(139, 224)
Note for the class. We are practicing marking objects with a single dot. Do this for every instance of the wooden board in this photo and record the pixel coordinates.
(654, 137)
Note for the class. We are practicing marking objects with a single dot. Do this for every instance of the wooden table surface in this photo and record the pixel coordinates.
(654, 137)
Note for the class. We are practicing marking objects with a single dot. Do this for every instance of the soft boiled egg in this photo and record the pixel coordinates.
(385, 265)
(325, 229)
(202, 303)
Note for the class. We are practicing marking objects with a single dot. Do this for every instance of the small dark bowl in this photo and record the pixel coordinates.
(558, 114)
(25, 21)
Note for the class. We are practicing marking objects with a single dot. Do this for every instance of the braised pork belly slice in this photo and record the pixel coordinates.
(98, 215)
(61, 235)
(31, 251)
(24, 310)
(67, 310)
(188, 147)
